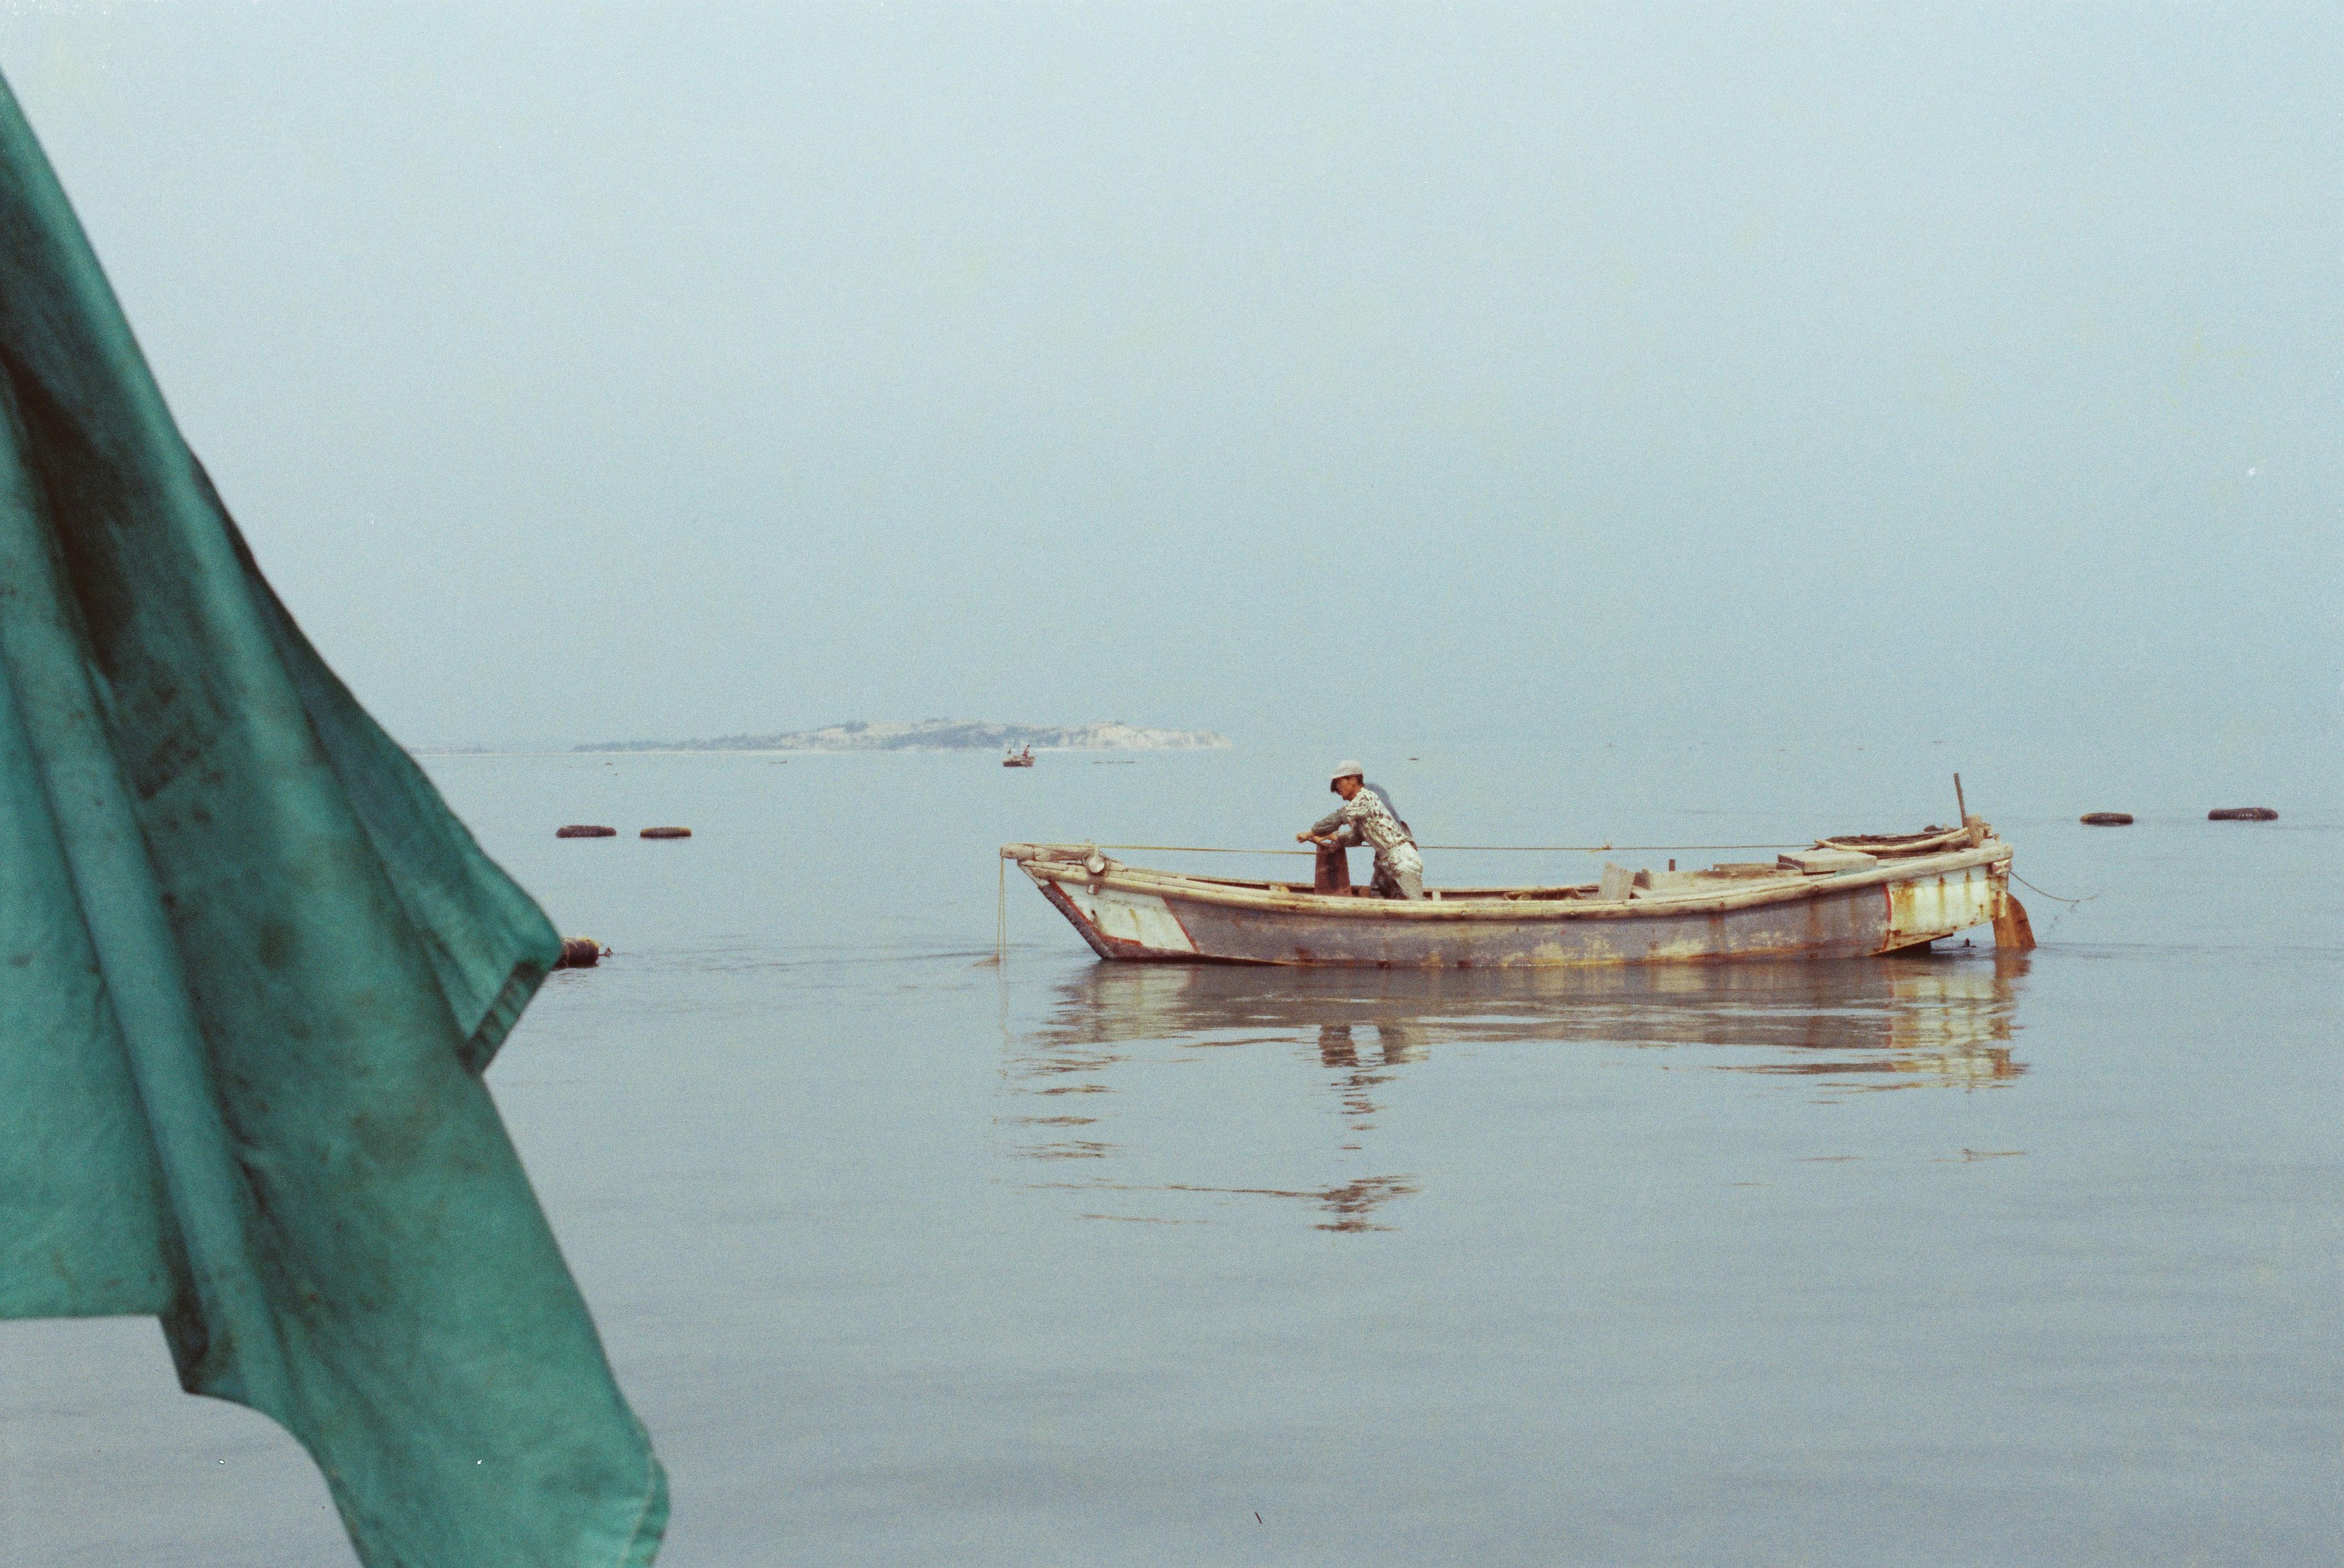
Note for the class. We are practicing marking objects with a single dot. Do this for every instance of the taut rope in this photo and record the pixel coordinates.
(1478, 848)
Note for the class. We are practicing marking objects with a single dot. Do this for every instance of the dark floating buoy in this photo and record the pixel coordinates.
(667, 832)
(2107, 819)
(2243, 814)
(579, 953)
(585, 830)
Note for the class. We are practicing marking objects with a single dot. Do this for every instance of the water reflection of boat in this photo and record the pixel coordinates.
(1844, 898)
(1904, 1023)
(1918, 1010)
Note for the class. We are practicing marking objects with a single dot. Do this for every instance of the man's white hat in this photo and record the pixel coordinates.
(1346, 770)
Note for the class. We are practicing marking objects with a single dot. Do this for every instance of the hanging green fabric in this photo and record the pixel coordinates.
(251, 970)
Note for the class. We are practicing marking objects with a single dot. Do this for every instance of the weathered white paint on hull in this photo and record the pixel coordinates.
(1141, 920)
(1928, 907)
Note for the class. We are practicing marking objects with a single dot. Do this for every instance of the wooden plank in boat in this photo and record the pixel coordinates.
(1822, 862)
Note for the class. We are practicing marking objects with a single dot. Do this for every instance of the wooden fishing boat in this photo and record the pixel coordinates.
(1846, 897)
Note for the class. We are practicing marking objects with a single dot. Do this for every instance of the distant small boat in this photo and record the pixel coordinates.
(1023, 759)
(1846, 897)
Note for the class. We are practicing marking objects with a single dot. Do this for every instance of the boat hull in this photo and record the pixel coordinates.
(1130, 914)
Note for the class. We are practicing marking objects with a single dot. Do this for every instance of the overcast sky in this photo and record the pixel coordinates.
(660, 371)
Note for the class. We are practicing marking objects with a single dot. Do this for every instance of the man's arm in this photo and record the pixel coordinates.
(1335, 824)
(1328, 824)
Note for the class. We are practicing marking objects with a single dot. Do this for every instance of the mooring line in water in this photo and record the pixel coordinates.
(2052, 896)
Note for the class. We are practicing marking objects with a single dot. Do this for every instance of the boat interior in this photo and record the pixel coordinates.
(1640, 881)
(1840, 853)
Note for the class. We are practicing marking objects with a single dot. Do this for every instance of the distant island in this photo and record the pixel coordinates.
(940, 735)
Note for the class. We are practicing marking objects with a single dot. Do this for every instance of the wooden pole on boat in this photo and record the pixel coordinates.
(1960, 805)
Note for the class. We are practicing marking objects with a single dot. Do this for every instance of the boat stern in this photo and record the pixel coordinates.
(1922, 909)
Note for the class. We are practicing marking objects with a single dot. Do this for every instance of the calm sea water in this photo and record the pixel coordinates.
(907, 1257)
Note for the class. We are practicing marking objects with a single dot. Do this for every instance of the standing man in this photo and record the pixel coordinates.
(1365, 817)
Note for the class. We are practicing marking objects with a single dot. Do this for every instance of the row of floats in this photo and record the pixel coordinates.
(595, 830)
(2221, 813)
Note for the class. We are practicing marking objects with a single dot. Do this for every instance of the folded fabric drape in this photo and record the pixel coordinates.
(251, 970)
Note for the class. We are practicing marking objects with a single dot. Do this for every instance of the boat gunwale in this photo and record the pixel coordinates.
(1994, 853)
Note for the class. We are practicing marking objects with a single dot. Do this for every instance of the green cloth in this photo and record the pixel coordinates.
(251, 970)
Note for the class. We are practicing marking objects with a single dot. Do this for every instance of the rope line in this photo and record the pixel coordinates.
(2052, 896)
(1530, 849)
(1594, 848)
(1476, 848)
(1200, 849)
